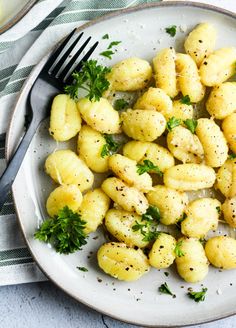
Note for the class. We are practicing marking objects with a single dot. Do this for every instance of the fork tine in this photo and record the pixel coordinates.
(67, 68)
(57, 52)
(59, 64)
(70, 79)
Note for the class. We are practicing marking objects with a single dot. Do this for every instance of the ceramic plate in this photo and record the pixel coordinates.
(142, 32)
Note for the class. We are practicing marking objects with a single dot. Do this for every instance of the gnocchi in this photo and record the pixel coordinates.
(226, 178)
(229, 211)
(182, 111)
(229, 130)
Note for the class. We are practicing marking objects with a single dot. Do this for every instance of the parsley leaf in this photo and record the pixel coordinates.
(92, 78)
(65, 231)
(232, 156)
(113, 43)
(185, 100)
(191, 124)
(218, 209)
(121, 104)
(171, 30)
(107, 53)
(82, 269)
(177, 250)
(105, 36)
(198, 296)
(110, 147)
(148, 166)
(152, 214)
(181, 219)
(165, 289)
(172, 123)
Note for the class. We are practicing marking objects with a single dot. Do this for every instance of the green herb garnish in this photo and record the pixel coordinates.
(82, 269)
(110, 147)
(152, 214)
(148, 166)
(191, 124)
(171, 30)
(198, 296)
(218, 209)
(172, 123)
(107, 53)
(65, 231)
(178, 251)
(92, 78)
(165, 289)
(113, 43)
(185, 100)
(232, 156)
(181, 219)
(120, 104)
(105, 36)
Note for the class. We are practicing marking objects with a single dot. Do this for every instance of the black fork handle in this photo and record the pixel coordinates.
(15, 162)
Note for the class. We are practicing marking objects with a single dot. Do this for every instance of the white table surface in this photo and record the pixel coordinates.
(43, 305)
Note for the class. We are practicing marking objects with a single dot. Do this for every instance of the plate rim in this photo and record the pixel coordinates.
(17, 17)
(24, 89)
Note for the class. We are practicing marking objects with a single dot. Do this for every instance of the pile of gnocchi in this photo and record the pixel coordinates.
(189, 174)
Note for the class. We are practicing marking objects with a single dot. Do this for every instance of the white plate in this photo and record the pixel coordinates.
(142, 34)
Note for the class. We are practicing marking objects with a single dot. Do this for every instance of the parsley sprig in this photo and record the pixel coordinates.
(177, 250)
(121, 104)
(92, 78)
(172, 123)
(198, 296)
(191, 124)
(186, 100)
(110, 147)
(65, 231)
(165, 289)
(232, 156)
(171, 30)
(148, 166)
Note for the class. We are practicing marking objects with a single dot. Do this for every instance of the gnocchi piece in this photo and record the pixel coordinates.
(229, 211)
(218, 67)
(229, 130)
(200, 43)
(192, 266)
(65, 167)
(185, 146)
(126, 169)
(119, 223)
(89, 146)
(65, 120)
(171, 203)
(130, 74)
(221, 252)
(158, 155)
(93, 209)
(162, 254)
(213, 142)
(201, 216)
(122, 262)
(181, 111)
(226, 178)
(143, 125)
(129, 198)
(188, 78)
(100, 115)
(189, 177)
(67, 195)
(222, 100)
(155, 99)
(164, 69)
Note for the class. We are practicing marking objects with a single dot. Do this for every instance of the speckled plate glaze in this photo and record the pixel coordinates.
(142, 31)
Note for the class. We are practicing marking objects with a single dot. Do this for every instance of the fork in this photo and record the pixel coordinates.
(56, 72)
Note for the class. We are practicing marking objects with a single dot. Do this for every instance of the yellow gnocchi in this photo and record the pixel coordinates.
(162, 254)
(229, 130)
(226, 178)
(65, 167)
(100, 115)
(122, 262)
(213, 142)
(171, 203)
(201, 216)
(229, 211)
(126, 169)
(221, 252)
(129, 198)
(143, 125)
(181, 111)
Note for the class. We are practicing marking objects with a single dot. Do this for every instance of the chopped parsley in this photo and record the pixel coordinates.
(82, 269)
(191, 124)
(113, 43)
(172, 123)
(105, 36)
(148, 166)
(92, 78)
(232, 156)
(218, 209)
(121, 104)
(181, 219)
(152, 214)
(177, 250)
(185, 100)
(198, 296)
(65, 231)
(165, 289)
(171, 30)
(107, 53)
(110, 147)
